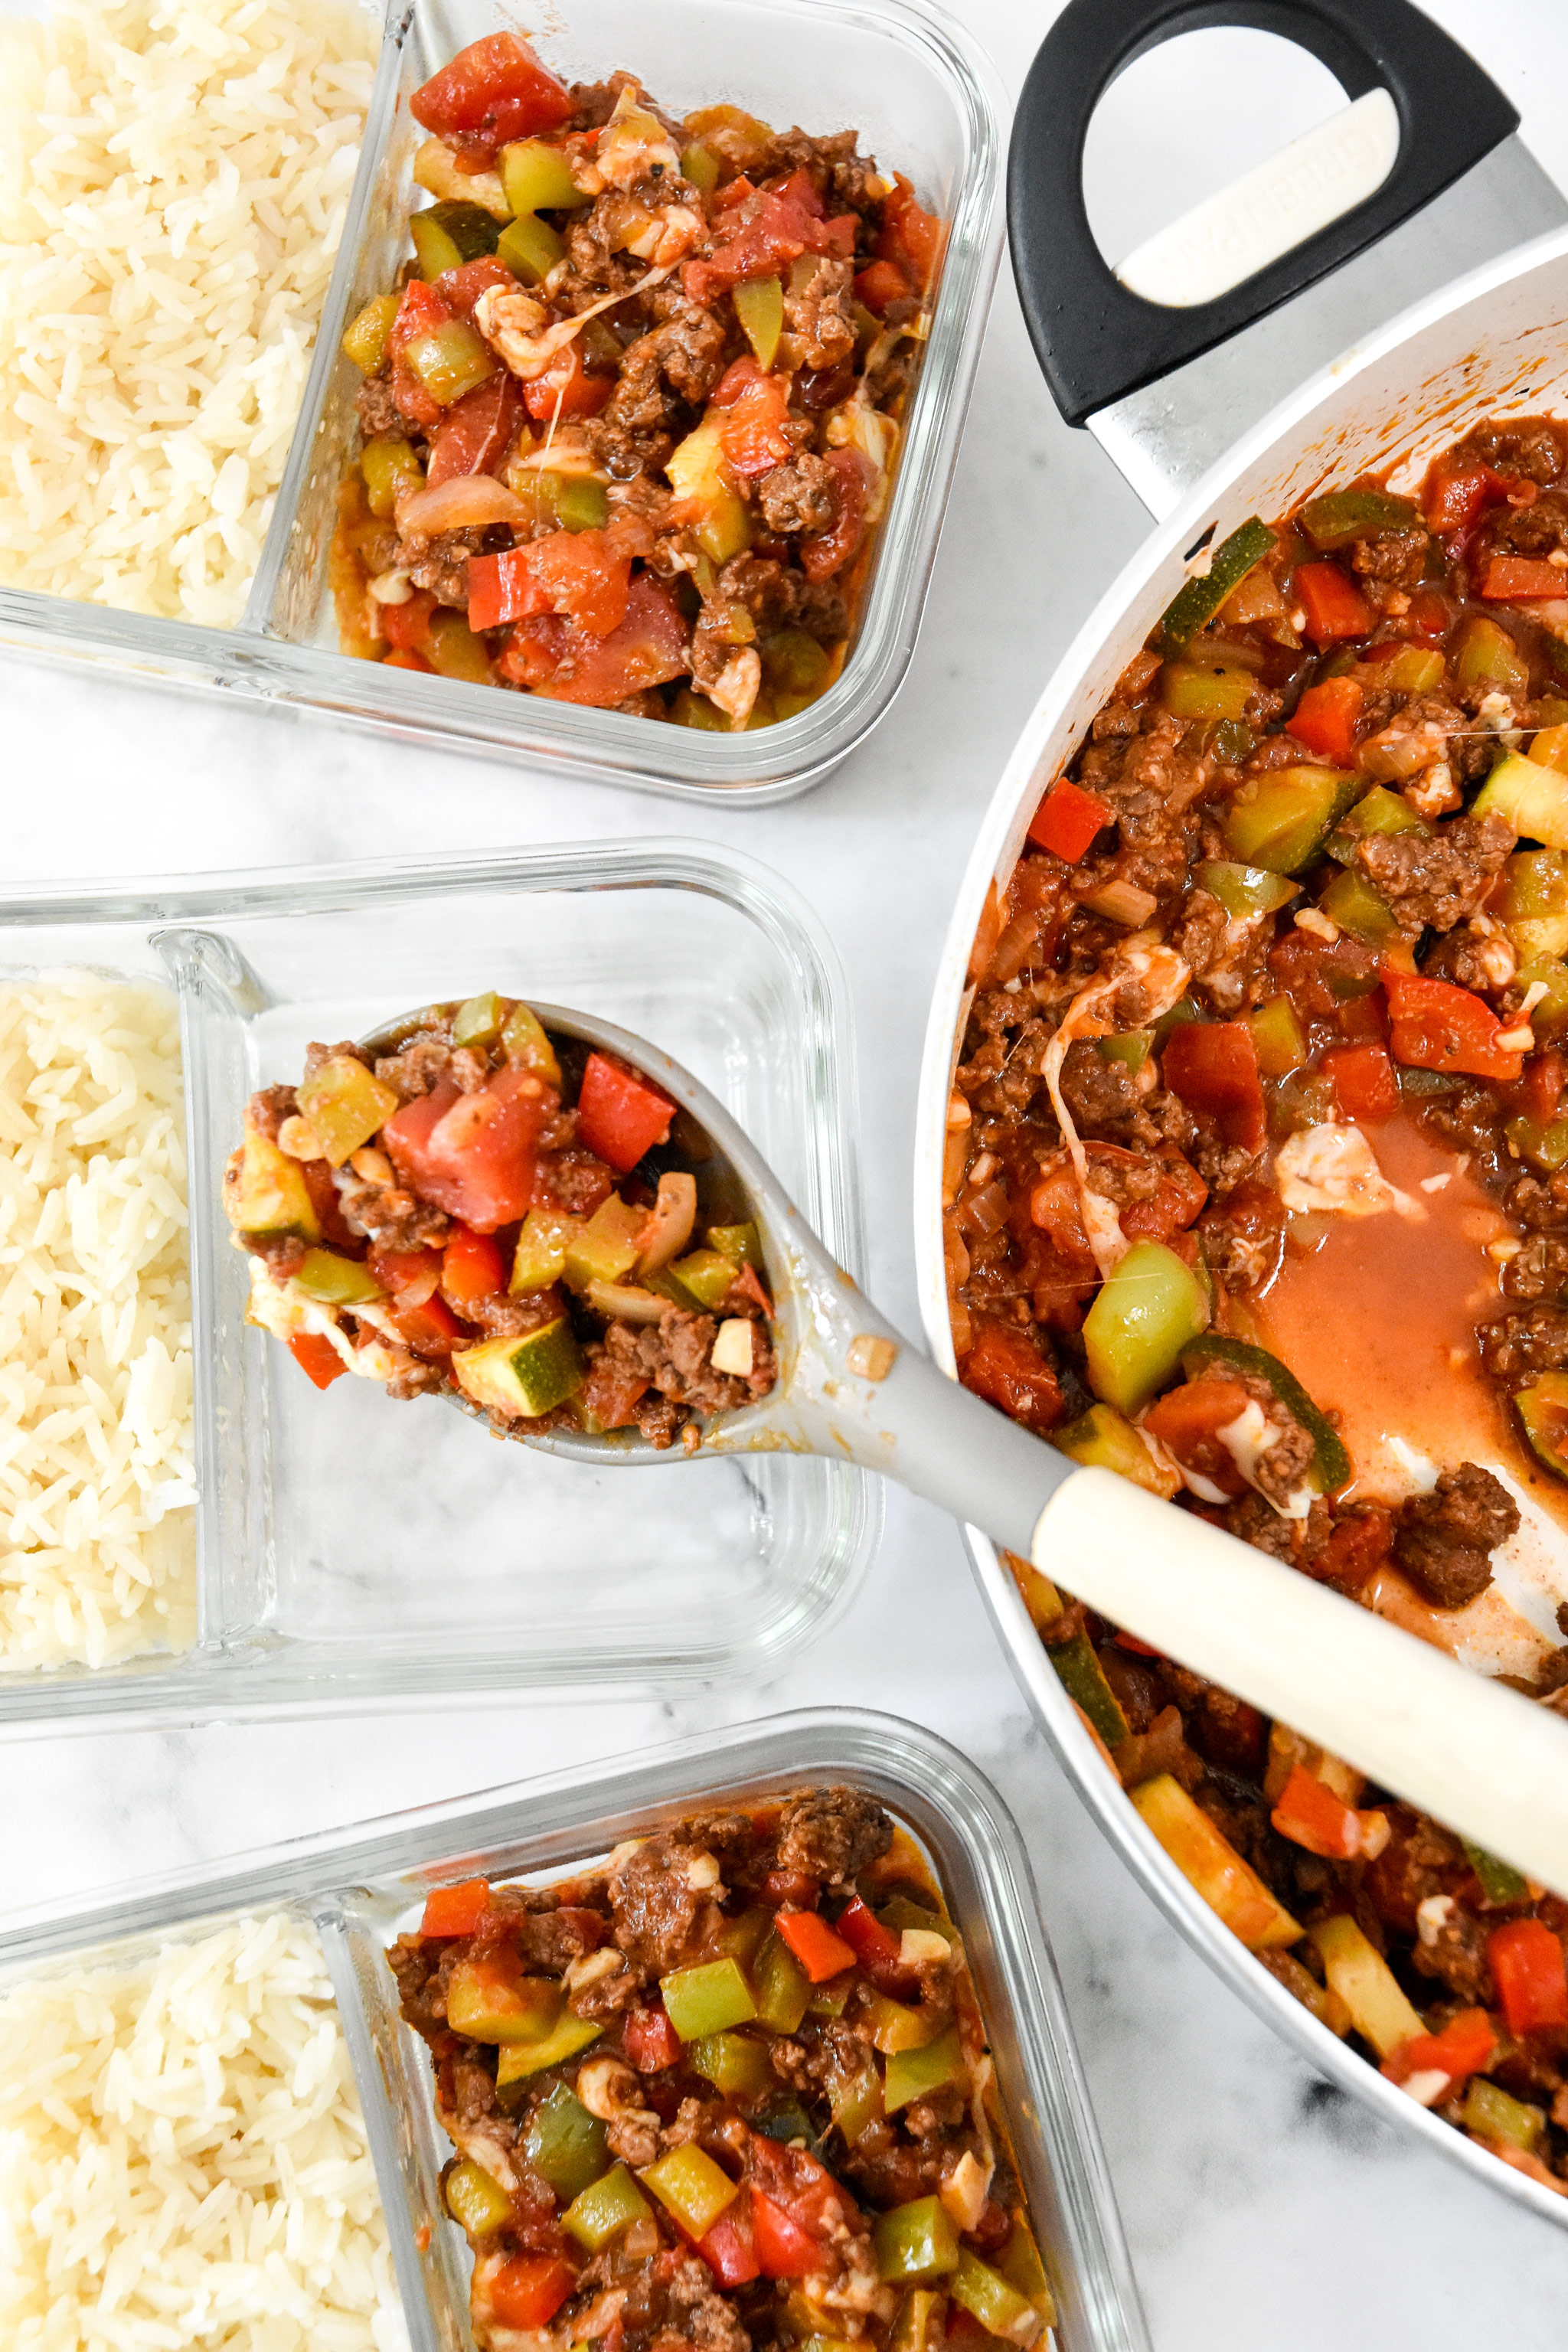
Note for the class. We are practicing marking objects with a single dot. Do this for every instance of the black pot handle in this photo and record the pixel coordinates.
(1095, 340)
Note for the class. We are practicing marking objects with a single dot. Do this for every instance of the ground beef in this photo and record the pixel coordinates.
(833, 1835)
(1244, 1235)
(379, 413)
(656, 1897)
(392, 1218)
(1515, 1347)
(441, 563)
(1152, 780)
(1444, 1540)
(1256, 1524)
(1395, 557)
(1539, 1273)
(1540, 529)
(676, 1353)
(798, 496)
(1540, 1208)
(1531, 450)
(1456, 1954)
(819, 314)
(1102, 1095)
(418, 1069)
(270, 1109)
(1437, 881)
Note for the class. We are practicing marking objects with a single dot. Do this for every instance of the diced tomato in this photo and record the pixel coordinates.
(1363, 1081)
(532, 654)
(472, 1155)
(1067, 820)
(620, 1114)
(411, 1276)
(1527, 1966)
(754, 432)
(471, 1268)
(821, 1951)
(1321, 977)
(651, 645)
(880, 283)
(766, 232)
(782, 2249)
(910, 238)
(789, 1886)
(1456, 499)
(408, 626)
(579, 574)
(1125, 1640)
(1056, 1208)
(403, 659)
(461, 288)
(1521, 579)
(1325, 717)
(1429, 616)
(566, 389)
(1310, 1815)
(317, 1358)
(1439, 1026)
(420, 311)
(1332, 602)
(1357, 1546)
(493, 91)
(610, 1395)
(728, 2249)
(651, 2042)
(828, 553)
(1463, 2046)
(455, 1910)
(1187, 1421)
(528, 2291)
(1006, 1368)
(1213, 1065)
(1539, 1090)
(428, 1326)
(475, 432)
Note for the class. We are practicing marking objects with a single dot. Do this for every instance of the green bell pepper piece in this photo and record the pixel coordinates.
(1278, 1034)
(990, 2299)
(389, 467)
(783, 2119)
(1548, 1012)
(369, 333)
(1533, 904)
(856, 2101)
(1197, 600)
(1486, 658)
(1214, 691)
(476, 2202)
(1379, 811)
(537, 178)
(897, 2025)
(1300, 1102)
(526, 1046)
(782, 1987)
(916, 2074)
(707, 1999)
(1544, 1409)
(1543, 1142)
(523, 1378)
(1340, 516)
(745, 1937)
(565, 2145)
(700, 167)
(759, 306)
(568, 2036)
(1490, 2114)
(1532, 799)
(1243, 890)
(707, 1273)
(456, 651)
(1415, 669)
(1131, 1050)
(734, 2065)
(606, 1246)
(1082, 1677)
(919, 2326)
(739, 1243)
(1186, 1008)
(336, 1281)
(567, 502)
(1353, 903)
(827, 2000)
(1500, 1883)
(450, 233)
(604, 2209)
(1331, 1462)
(541, 1247)
(1282, 820)
(530, 249)
(345, 1105)
(477, 1019)
(1019, 2264)
(916, 2241)
(1141, 1318)
(453, 359)
(690, 2184)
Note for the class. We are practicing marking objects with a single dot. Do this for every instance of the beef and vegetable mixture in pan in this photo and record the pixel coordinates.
(631, 416)
(729, 2091)
(482, 1210)
(1258, 1193)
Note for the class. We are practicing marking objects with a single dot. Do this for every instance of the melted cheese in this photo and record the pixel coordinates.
(1335, 1169)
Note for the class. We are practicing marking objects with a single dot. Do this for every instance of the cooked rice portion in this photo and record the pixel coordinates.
(174, 179)
(97, 1468)
(182, 2159)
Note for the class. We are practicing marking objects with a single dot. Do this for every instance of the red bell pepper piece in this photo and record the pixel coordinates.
(455, 1910)
(821, 1951)
(1067, 820)
(1213, 1065)
(651, 2042)
(477, 431)
(503, 588)
(831, 549)
(728, 2249)
(875, 1946)
(1363, 1081)
(317, 1358)
(1456, 499)
(579, 574)
(460, 290)
(620, 1116)
(529, 2291)
(567, 388)
(1325, 717)
(471, 1268)
(406, 626)
(650, 645)
(1310, 1815)
(1332, 602)
(880, 283)
(1006, 1368)
(493, 91)
(472, 1155)
(1125, 1640)
(1517, 579)
(911, 236)
(1438, 1027)
(1463, 2046)
(428, 1326)
(782, 2249)
(1527, 1967)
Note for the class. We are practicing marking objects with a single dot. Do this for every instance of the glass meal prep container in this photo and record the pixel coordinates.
(924, 99)
(353, 1552)
(363, 1886)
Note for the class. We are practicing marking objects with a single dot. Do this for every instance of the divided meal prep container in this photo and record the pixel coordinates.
(924, 99)
(1493, 342)
(364, 1887)
(353, 1554)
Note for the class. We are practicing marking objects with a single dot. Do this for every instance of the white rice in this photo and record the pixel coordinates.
(182, 2160)
(174, 179)
(97, 1469)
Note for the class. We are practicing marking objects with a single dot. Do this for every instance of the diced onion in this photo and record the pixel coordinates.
(465, 503)
(623, 1301)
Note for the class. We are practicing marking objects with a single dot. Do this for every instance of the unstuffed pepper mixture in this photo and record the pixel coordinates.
(630, 417)
(729, 2091)
(1306, 879)
(485, 1212)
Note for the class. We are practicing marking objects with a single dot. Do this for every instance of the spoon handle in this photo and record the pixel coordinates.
(1480, 1758)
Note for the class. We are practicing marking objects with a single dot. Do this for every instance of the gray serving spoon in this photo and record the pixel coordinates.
(1482, 1759)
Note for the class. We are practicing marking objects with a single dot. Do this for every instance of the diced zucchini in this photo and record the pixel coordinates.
(604, 2209)
(1544, 1409)
(1282, 820)
(1338, 517)
(453, 359)
(707, 1273)
(537, 178)
(1532, 800)
(336, 1281)
(477, 1019)
(491, 1999)
(458, 651)
(523, 1378)
(1082, 1677)
(478, 2203)
(1243, 890)
(450, 233)
(369, 333)
(1353, 903)
(566, 2039)
(1141, 1318)
(1491, 2113)
(541, 1247)
(1102, 1438)
(1331, 1462)
(389, 467)
(345, 1105)
(1379, 811)
(530, 249)
(1358, 1972)
(1229, 1885)
(265, 1192)
(565, 2145)
(1212, 690)
(1197, 600)
(1533, 904)
(1485, 656)
(606, 1246)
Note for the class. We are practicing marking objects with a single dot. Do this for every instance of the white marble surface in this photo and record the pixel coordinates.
(1262, 2208)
